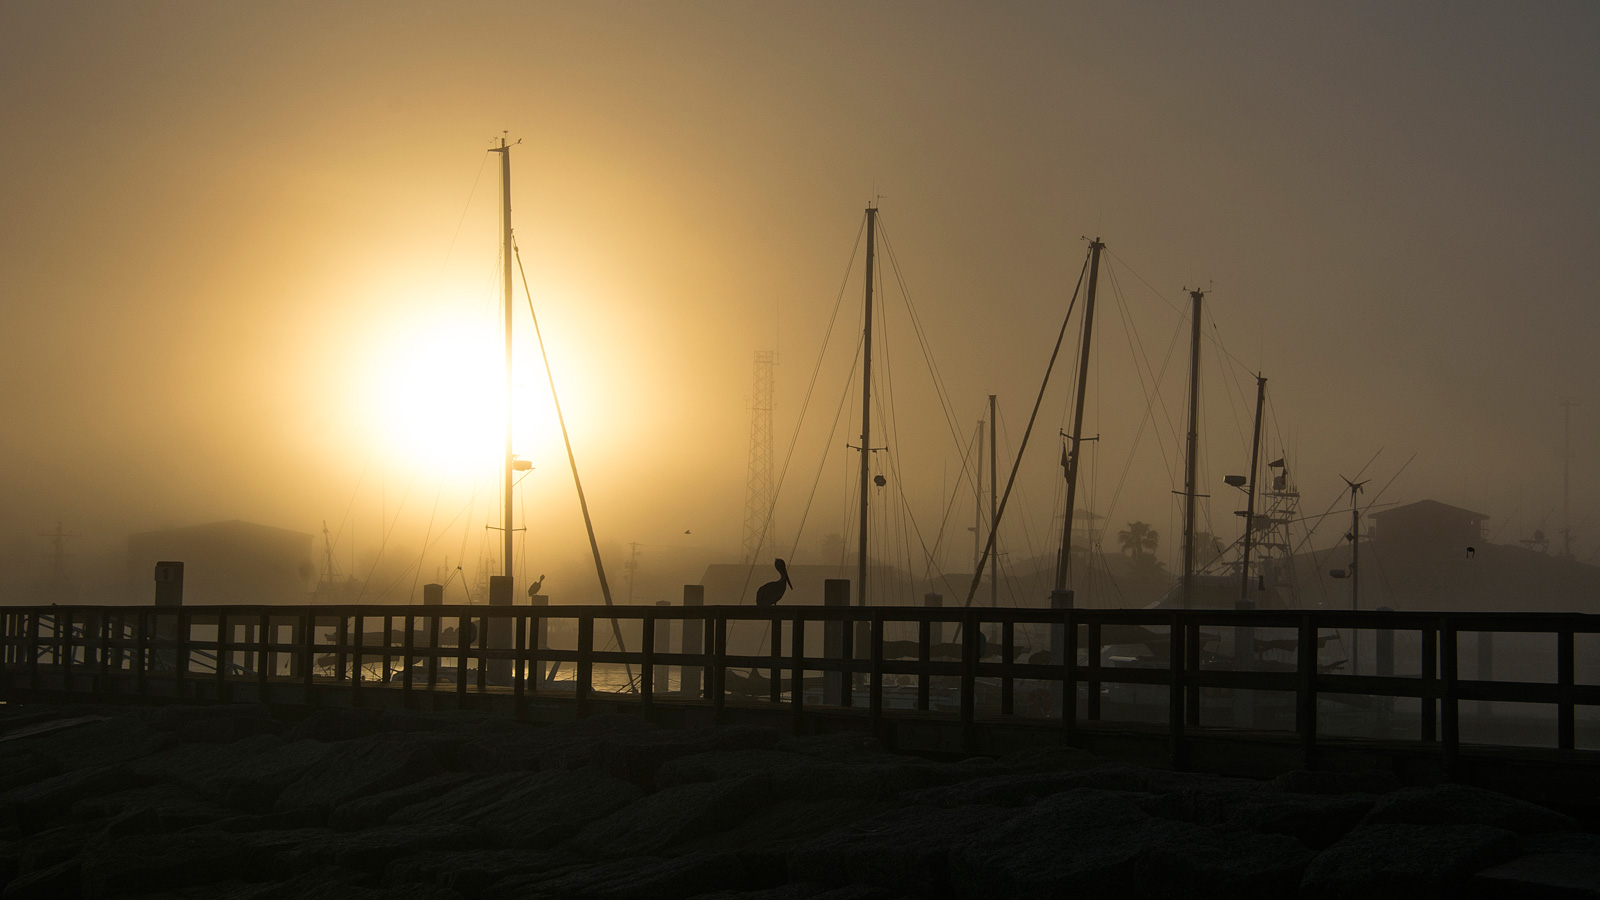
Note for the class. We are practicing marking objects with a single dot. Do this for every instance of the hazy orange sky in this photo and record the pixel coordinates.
(231, 233)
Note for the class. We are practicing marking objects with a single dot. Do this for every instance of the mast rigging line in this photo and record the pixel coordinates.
(946, 406)
(805, 404)
(572, 460)
(988, 550)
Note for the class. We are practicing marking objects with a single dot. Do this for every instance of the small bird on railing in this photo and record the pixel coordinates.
(533, 589)
(771, 592)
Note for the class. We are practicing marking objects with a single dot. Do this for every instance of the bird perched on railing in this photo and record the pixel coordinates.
(771, 592)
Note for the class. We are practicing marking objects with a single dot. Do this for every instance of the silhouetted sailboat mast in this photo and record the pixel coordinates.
(866, 409)
(506, 253)
(1191, 461)
(1064, 563)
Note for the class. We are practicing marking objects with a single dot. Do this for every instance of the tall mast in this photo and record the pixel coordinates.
(1064, 564)
(1250, 504)
(994, 515)
(1189, 479)
(866, 409)
(506, 253)
(1566, 475)
(977, 506)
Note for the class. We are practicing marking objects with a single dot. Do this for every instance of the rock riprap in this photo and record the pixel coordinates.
(230, 803)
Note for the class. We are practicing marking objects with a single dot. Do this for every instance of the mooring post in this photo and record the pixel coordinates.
(690, 677)
(835, 593)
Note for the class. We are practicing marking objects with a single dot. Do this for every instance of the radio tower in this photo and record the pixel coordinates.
(758, 486)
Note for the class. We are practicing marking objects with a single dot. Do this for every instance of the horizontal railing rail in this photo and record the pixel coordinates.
(149, 651)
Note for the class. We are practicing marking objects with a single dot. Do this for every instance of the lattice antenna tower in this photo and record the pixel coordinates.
(758, 483)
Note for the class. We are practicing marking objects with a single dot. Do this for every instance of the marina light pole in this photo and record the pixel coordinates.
(1193, 452)
(1250, 504)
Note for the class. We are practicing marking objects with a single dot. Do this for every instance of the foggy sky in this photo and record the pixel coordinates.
(224, 224)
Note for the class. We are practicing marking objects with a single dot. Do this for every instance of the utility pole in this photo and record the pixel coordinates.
(1064, 564)
(1250, 504)
(866, 409)
(994, 516)
(1189, 480)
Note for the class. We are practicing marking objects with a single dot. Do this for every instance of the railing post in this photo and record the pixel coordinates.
(1191, 691)
(180, 661)
(434, 620)
(691, 679)
(536, 639)
(774, 675)
(263, 656)
(1566, 732)
(1069, 671)
(408, 659)
(341, 637)
(1094, 649)
(484, 623)
(797, 686)
(308, 649)
(875, 672)
(585, 668)
(33, 649)
(356, 672)
(463, 642)
(141, 650)
(1177, 655)
(719, 666)
(222, 657)
(1305, 670)
(647, 658)
(924, 651)
(1007, 651)
(835, 638)
(969, 677)
(105, 653)
(1450, 707)
(1430, 684)
(519, 668)
(64, 648)
(388, 642)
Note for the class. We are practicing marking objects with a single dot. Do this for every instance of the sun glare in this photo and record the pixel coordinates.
(439, 395)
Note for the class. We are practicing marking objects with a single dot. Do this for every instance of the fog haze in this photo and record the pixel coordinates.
(249, 267)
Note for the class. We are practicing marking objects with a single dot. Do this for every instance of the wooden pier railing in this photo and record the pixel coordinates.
(888, 662)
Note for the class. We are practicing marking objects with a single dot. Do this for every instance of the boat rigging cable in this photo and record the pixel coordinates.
(988, 549)
(805, 403)
(572, 460)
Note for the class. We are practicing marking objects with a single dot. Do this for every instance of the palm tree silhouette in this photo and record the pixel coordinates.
(1137, 538)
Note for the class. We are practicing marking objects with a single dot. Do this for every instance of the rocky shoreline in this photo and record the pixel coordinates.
(227, 802)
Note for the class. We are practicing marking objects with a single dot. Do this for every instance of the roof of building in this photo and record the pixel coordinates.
(1430, 506)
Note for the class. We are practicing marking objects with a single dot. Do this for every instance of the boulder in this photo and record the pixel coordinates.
(53, 883)
(789, 822)
(906, 849)
(806, 890)
(1458, 804)
(1539, 875)
(374, 849)
(143, 863)
(36, 805)
(190, 764)
(637, 757)
(169, 807)
(1315, 820)
(672, 816)
(1084, 842)
(546, 807)
(336, 725)
(1405, 862)
(567, 746)
(1221, 863)
(355, 769)
(1365, 781)
(375, 809)
(470, 872)
(252, 781)
(646, 878)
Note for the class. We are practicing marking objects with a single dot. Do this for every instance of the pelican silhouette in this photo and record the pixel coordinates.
(771, 592)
